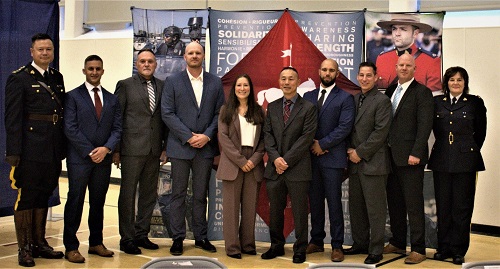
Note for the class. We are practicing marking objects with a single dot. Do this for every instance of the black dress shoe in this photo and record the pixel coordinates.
(145, 243)
(458, 259)
(205, 245)
(251, 252)
(299, 257)
(441, 256)
(177, 248)
(130, 248)
(355, 251)
(235, 256)
(273, 253)
(373, 258)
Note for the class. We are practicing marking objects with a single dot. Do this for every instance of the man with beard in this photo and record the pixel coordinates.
(329, 158)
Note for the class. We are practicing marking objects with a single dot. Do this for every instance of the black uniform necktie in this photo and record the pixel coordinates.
(453, 101)
(46, 75)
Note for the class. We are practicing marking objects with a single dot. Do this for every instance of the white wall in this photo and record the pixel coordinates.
(474, 48)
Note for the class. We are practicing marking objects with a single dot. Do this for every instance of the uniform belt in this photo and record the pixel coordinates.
(54, 118)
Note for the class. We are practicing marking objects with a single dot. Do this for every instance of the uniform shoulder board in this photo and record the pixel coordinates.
(53, 70)
(433, 55)
(19, 70)
(384, 52)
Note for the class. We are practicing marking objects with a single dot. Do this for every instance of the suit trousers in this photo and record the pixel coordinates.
(142, 171)
(96, 178)
(455, 203)
(405, 196)
(201, 172)
(239, 196)
(326, 183)
(277, 191)
(368, 210)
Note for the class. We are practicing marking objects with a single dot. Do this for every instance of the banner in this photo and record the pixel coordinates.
(417, 34)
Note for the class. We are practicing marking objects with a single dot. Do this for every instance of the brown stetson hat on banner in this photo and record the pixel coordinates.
(405, 19)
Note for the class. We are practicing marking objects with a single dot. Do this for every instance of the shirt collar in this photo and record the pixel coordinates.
(90, 87)
(406, 84)
(328, 89)
(191, 77)
(294, 99)
(38, 68)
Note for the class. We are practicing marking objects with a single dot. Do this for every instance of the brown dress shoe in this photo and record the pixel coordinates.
(415, 258)
(311, 248)
(101, 250)
(74, 256)
(393, 249)
(337, 255)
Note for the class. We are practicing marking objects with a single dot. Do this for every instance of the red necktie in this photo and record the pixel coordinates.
(98, 103)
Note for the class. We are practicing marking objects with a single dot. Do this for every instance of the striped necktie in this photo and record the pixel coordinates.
(151, 93)
(397, 98)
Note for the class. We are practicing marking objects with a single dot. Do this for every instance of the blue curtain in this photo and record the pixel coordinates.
(19, 20)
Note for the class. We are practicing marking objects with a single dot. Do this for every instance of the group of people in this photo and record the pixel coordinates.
(310, 141)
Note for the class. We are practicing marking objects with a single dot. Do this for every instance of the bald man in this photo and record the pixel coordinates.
(190, 108)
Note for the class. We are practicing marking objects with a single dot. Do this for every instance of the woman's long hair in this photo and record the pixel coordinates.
(254, 113)
(450, 72)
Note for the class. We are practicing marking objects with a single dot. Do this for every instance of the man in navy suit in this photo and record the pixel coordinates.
(190, 108)
(329, 158)
(93, 126)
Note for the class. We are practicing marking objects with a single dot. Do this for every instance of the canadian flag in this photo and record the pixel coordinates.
(284, 45)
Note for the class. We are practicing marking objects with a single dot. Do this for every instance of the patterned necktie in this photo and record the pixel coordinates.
(98, 103)
(151, 93)
(321, 99)
(453, 101)
(397, 97)
(286, 110)
(361, 99)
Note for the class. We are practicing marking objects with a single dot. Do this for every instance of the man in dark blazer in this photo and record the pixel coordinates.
(140, 151)
(369, 166)
(190, 107)
(329, 158)
(93, 126)
(288, 134)
(412, 108)
(35, 146)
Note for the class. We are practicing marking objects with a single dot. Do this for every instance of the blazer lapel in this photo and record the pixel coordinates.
(190, 91)
(405, 96)
(84, 93)
(332, 95)
(236, 123)
(296, 108)
(142, 92)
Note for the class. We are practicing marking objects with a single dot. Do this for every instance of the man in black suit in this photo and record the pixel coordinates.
(34, 98)
(288, 134)
(93, 126)
(413, 107)
(140, 151)
(369, 166)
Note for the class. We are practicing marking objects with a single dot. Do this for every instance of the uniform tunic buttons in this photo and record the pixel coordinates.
(37, 90)
(52, 98)
(55, 110)
(471, 149)
(31, 128)
(451, 122)
(451, 113)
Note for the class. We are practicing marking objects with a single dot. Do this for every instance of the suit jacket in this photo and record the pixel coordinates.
(466, 121)
(35, 140)
(181, 114)
(143, 131)
(411, 124)
(231, 158)
(291, 141)
(335, 121)
(369, 135)
(84, 130)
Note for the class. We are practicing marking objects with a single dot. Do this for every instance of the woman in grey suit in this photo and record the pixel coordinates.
(241, 166)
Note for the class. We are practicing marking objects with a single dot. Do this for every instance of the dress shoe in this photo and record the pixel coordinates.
(458, 259)
(101, 250)
(177, 248)
(311, 248)
(373, 258)
(355, 251)
(250, 252)
(299, 258)
(205, 245)
(337, 255)
(273, 253)
(74, 256)
(393, 249)
(145, 243)
(47, 252)
(234, 256)
(441, 256)
(415, 258)
(130, 248)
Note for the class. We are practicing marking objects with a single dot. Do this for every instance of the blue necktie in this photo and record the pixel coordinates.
(397, 97)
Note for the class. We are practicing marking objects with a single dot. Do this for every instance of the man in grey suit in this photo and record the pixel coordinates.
(369, 165)
(190, 107)
(412, 110)
(140, 151)
(288, 134)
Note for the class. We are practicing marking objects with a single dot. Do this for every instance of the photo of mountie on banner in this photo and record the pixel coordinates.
(167, 33)
(390, 35)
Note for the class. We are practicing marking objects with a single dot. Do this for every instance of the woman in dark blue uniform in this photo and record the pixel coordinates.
(460, 130)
